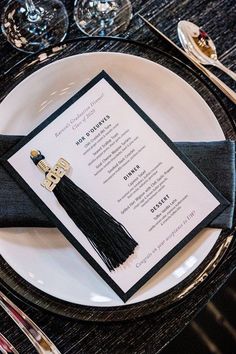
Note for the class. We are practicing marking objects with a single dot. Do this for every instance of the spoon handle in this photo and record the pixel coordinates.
(214, 79)
(229, 72)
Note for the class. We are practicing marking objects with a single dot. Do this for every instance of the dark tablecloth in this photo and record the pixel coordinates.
(151, 333)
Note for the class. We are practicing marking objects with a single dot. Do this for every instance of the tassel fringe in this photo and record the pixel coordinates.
(109, 238)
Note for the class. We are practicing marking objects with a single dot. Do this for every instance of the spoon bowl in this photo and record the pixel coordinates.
(198, 44)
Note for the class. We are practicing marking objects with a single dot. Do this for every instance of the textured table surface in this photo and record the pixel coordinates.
(151, 333)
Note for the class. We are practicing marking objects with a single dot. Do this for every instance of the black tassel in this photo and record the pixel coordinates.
(109, 238)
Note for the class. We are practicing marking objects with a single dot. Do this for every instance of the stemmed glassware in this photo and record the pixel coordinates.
(33, 25)
(102, 17)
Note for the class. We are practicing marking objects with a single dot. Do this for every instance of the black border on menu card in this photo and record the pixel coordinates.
(123, 295)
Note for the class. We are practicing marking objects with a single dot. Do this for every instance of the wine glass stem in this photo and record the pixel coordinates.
(32, 11)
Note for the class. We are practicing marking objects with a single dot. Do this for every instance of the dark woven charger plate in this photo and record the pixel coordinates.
(33, 296)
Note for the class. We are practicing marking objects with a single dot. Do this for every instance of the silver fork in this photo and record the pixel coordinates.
(37, 337)
(6, 347)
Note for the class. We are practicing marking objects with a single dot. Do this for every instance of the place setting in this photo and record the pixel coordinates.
(118, 175)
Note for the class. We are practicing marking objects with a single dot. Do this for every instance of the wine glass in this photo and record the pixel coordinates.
(102, 17)
(33, 25)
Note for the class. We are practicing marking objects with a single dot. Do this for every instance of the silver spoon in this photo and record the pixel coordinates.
(213, 78)
(197, 43)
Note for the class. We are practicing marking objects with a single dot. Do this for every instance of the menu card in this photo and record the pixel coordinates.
(138, 200)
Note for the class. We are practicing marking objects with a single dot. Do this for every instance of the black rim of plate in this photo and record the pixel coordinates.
(31, 295)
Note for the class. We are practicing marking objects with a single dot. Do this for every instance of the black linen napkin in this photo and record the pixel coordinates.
(216, 160)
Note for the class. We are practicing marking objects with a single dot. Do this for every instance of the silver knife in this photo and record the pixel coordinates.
(214, 79)
(37, 337)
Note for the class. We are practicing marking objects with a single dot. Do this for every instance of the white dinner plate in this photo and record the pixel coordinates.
(43, 257)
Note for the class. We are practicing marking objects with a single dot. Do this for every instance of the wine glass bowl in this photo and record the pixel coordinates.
(102, 17)
(33, 25)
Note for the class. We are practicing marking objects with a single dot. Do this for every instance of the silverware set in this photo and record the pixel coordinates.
(187, 34)
(37, 337)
